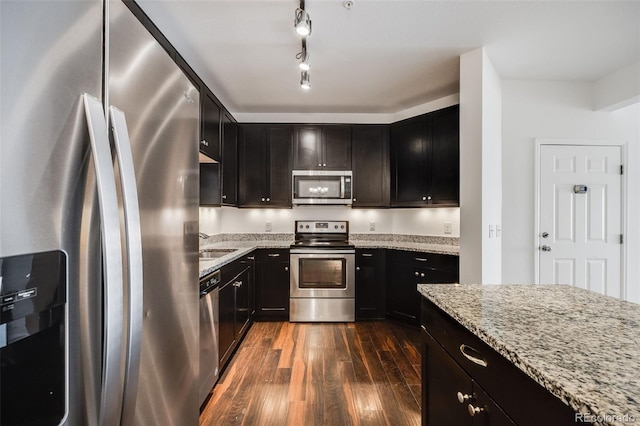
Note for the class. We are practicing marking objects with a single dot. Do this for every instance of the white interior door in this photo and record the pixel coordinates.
(580, 217)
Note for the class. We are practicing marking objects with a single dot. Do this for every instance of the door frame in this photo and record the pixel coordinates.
(538, 144)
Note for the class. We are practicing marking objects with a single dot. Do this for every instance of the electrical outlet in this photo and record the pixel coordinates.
(447, 227)
(372, 226)
(267, 226)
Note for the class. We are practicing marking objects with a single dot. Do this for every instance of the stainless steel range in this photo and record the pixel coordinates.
(322, 273)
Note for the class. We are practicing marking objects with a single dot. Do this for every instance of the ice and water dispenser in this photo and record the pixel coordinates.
(32, 338)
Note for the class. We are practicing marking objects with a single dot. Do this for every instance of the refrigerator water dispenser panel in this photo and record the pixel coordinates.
(32, 338)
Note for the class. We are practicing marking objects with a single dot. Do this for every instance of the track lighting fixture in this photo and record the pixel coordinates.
(303, 56)
(304, 80)
(302, 21)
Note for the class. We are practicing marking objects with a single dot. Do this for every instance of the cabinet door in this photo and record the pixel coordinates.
(229, 161)
(209, 184)
(252, 163)
(487, 411)
(227, 322)
(279, 166)
(370, 283)
(210, 116)
(242, 284)
(403, 299)
(370, 162)
(272, 288)
(409, 163)
(336, 147)
(307, 148)
(444, 150)
(442, 379)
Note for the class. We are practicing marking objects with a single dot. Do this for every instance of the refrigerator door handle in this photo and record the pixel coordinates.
(133, 238)
(111, 392)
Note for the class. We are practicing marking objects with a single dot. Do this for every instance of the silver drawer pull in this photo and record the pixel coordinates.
(420, 259)
(272, 309)
(476, 360)
(274, 255)
(367, 255)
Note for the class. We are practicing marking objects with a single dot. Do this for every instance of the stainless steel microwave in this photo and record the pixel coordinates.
(322, 187)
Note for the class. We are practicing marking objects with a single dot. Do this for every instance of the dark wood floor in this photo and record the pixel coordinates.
(364, 373)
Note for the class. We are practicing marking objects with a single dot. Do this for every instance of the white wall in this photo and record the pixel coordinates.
(387, 221)
(480, 169)
(532, 109)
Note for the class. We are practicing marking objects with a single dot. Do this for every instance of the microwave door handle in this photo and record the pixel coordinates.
(133, 238)
(342, 187)
(111, 391)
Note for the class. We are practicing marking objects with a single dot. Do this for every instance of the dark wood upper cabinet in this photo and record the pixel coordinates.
(264, 165)
(425, 161)
(370, 162)
(210, 133)
(229, 160)
(307, 148)
(337, 147)
(322, 147)
(444, 170)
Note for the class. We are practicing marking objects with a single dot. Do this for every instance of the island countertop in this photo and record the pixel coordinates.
(581, 346)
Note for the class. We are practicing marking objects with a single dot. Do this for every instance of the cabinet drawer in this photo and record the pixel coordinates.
(418, 259)
(524, 400)
(272, 255)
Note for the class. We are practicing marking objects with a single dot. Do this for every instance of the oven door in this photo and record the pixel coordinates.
(317, 273)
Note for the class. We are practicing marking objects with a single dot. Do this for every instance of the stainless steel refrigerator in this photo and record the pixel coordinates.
(98, 220)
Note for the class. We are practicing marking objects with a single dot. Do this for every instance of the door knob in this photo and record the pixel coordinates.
(545, 248)
(462, 397)
(474, 410)
(545, 234)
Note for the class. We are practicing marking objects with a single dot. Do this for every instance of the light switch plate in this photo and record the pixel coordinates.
(267, 226)
(372, 226)
(447, 227)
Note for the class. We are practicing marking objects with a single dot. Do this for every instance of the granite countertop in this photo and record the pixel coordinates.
(244, 243)
(581, 346)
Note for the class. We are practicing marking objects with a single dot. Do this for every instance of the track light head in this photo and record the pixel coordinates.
(302, 22)
(304, 80)
(304, 59)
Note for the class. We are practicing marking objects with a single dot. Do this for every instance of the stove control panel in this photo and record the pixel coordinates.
(322, 227)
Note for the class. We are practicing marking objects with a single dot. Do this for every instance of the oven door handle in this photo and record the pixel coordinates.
(328, 252)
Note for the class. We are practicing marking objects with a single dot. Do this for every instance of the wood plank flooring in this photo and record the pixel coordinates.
(363, 373)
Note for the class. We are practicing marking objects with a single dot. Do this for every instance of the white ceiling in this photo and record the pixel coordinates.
(386, 56)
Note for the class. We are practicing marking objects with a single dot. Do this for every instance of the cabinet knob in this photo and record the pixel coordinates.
(424, 198)
(268, 199)
(354, 200)
(474, 410)
(462, 397)
(286, 268)
(417, 274)
(319, 164)
(262, 199)
(428, 197)
(357, 268)
(422, 274)
(324, 165)
(224, 197)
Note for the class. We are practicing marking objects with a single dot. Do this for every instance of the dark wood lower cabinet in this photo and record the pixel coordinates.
(235, 305)
(272, 289)
(450, 397)
(458, 366)
(405, 270)
(370, 284)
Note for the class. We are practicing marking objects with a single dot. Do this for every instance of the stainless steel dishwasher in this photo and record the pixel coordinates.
(209, 332)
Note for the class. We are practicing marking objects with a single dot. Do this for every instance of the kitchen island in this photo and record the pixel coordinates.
(581, 347)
